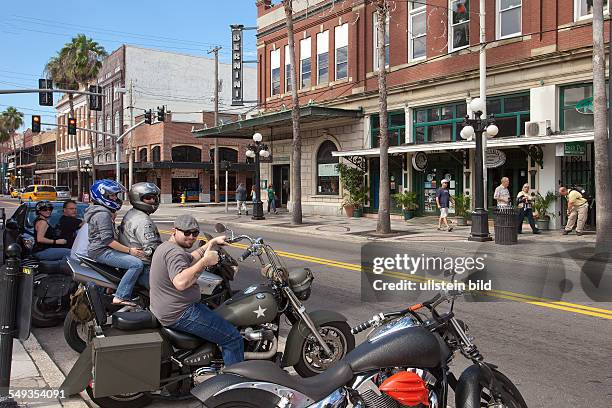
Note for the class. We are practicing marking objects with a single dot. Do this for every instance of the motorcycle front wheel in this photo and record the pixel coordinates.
(474, 390)
(313, 361)
(136, 400)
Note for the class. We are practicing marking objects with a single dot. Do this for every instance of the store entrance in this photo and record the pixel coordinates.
(439, 167)
(280, 182)
(395, 182)
(515, 168)
(579, 171)
(189, 186)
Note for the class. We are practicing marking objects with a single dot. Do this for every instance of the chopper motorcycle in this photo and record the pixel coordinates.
(404, 363)
(315, 341)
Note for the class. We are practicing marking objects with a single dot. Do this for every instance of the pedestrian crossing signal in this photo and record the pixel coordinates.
(35, 124)
(72, 127)
(148, 116)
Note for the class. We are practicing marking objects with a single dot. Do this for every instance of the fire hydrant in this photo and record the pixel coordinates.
(183, 198)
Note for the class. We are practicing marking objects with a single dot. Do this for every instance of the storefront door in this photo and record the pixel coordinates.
(439, 167)
(395, 182)
(579, 171)
(280, 182)
(189, 186)
(515, 168)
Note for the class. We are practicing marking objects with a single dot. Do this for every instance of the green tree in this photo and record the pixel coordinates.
(76, 65)
(12, 120)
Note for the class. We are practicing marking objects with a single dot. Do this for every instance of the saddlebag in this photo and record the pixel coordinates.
(53, 291)
(126, 364)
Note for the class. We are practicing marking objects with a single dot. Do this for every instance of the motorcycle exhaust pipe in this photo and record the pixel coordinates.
(250, 355)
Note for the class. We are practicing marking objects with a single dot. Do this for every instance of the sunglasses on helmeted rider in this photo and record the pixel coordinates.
(46, 209)
(193, 233)
(149, 197)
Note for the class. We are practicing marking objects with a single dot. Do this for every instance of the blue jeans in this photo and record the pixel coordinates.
(53, 254)
(526, 212)
(134, 268)
(144, 277)
(200, 321)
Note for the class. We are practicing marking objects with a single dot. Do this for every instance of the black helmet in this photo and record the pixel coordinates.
(43, 205)
(140, 190)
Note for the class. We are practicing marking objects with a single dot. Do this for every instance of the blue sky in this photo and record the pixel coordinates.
(33, 31)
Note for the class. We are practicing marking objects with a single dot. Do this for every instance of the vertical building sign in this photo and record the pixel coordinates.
(237, 95)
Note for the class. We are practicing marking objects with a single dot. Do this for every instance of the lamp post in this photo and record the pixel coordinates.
(255, 151)
(19, 176)
(478, 127)
(86, 168)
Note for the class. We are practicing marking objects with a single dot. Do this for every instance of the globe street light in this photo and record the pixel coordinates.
(86, 168)
(255, 151)
(477, 127)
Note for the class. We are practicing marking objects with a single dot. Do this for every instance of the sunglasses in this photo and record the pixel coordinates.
(46, 209)
(149, 197)
(192, 233)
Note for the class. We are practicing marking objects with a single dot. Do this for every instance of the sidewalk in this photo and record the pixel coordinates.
(33, 369)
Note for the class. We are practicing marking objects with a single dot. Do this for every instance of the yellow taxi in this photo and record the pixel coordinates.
(15, 192)
(38, 192)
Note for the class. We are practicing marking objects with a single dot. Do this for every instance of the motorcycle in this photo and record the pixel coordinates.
(404, 363)
(315, 341)
(79, 322)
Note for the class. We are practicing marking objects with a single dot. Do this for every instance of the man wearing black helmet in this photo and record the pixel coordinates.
(137, 229)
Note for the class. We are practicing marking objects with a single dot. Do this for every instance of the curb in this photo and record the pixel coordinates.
(51, 373)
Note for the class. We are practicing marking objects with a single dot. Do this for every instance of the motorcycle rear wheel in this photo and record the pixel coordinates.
(42, 318)
(75, 333)
(137, 400)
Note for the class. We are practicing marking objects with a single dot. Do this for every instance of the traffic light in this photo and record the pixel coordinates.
(148, 116)
(161, 113)
(35, 123)
(72, 127)
(95, 101)
(45, 98)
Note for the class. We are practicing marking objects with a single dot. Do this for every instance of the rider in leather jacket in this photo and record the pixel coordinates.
(137, 229)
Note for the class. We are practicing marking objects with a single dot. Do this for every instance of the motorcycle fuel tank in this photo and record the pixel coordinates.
(254, 305)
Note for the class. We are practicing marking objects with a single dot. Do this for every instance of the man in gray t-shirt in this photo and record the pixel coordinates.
(175, 293)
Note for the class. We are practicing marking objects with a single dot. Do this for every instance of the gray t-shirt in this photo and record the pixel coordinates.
(167, 302)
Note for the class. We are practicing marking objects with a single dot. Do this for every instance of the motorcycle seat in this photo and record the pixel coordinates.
(134, 320)
(182, 340)
(109, 272)
(316, 388)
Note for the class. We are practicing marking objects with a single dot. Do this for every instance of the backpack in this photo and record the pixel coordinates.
(585, 194)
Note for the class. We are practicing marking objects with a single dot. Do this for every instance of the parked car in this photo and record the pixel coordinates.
(16, 192)
(38, 192)
(63, 193)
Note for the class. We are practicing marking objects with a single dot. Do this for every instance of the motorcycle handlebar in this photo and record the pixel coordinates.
(245, 255)
(366, 325)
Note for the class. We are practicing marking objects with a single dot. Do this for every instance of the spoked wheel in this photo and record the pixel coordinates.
(313, 360)
(510, 395)
(136, 400)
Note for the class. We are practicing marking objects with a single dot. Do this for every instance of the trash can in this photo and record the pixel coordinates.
(505, 225)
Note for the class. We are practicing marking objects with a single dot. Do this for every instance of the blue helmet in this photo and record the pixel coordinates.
(100, 191)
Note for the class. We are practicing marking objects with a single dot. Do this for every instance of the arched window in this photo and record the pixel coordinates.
(225, 153)
(156, 154)
(142, 155)
(327, 172)
(186, 154)
(108, 124)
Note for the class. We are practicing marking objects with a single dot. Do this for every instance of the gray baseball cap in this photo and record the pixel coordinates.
(186, 222)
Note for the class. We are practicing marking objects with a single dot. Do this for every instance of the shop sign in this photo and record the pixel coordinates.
(237, 94)
(574, 148)
(419, 161)
(184, 173)
(495, 158)
(281, 158)
(328, 170)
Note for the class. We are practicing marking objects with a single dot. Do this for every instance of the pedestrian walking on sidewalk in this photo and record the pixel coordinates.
(502, 195)
(271, 199)
(443, 199)
(525, 202)
(577, 209)
(241, 197)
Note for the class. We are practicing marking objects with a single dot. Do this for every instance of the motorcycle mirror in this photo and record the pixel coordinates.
(220, 227)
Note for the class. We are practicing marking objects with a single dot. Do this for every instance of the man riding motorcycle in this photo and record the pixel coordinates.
(137, 229)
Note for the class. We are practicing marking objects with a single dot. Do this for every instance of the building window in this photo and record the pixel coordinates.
(440, 123)
(225, 154)
(108, 124)
(117, 128)
(275, 72)
(511, 113)
(142, 155)
(109, 157)
(186, 154)
(584, 8)
(375, 36)
(323, 57)
(570, 118)
(341, 47)
(509, 17)
(99, 158)
(327, 170)
(287, 69)
(305, 63)
(156, 154)
(459, 24)
(396, 124)
(417, 30)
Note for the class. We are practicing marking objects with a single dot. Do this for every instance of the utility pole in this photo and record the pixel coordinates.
(131, 151)
(216, 119)
(483, 92)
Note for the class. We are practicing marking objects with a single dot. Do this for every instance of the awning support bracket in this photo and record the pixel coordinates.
(358, 161)
(535, 153)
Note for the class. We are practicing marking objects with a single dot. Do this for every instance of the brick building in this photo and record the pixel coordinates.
(538, 68)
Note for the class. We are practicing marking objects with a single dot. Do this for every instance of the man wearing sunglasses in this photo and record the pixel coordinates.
(137, 229)
(175, 293)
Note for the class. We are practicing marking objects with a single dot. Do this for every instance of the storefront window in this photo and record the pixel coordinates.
(438, 123)
(511, 113)
(225, 154)
(327, 171)
(142, 155)
(396, 129)
(156, 154)
(186, 154)
(572, 119)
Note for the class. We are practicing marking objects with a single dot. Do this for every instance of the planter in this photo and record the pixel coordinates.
(349, 209)
(408, 214)
(461, 221)
(543, 224)
(357, 212)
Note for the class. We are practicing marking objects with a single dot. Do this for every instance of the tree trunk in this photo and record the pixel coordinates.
(603, 191)
(383, 226)
(296, 162)
(78, 157)
(91, 152)
(15, 156)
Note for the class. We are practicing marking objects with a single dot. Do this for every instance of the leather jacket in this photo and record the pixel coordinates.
(137, 230)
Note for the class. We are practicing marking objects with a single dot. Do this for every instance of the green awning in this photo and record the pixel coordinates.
(276, 124)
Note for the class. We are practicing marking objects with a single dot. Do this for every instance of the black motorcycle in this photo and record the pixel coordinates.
(315, 342)
(404, 363)
(79, 322)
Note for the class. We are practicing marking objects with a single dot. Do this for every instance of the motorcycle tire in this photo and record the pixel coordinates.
(42, 319)
(136, 400)
(74, 334)
(342, 336)
(469, 398)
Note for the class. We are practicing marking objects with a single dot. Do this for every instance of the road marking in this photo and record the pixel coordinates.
(518, 297)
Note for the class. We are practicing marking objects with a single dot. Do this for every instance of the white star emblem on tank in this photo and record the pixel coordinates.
(260, 312)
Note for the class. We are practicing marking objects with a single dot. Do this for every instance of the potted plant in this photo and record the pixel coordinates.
(462, 208)
(355, 194)
(408, 201)
(540, 207)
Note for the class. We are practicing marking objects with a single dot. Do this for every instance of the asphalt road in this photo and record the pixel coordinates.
(556, 357)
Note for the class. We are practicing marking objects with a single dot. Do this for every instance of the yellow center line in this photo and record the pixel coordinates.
(518, 297)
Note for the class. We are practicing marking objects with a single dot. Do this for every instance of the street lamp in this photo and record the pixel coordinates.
(19, 176)
(477, 127)
(255, 151)
(86, 168)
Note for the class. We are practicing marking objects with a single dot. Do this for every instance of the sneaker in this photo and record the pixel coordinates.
(450, 229)
(579, 233)
(565, 232)
(536, 232)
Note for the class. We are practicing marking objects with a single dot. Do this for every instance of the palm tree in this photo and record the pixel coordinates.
(75, 65)
(13, 119)
(4, 137)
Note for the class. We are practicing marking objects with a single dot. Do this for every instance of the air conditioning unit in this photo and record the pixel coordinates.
(538, 128)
